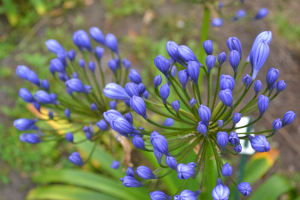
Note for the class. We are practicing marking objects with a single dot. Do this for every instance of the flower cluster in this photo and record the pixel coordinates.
(201, 126)
(75, 101)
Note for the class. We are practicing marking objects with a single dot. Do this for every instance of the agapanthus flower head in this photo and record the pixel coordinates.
(115, 164)
(288, 118)
(162, 64)
(263, 104)
(210, 62)
(157, 81)
(76, 159)
(186, 171)
(222, 57)
(234, 59)
(247, 80)
(217, 22)
(208, 47)
(97, 35)
(188, 195)
(226, 97)
(221, 191)
(112, 43)
(261, 13)
(244, 188)
(222, 139)
(145, 173)
(134, 76)
(183, 78)
(129, 181)
(227, 82)
(159, 195)
(234, 44)
(193, 70)
(227, 170)
(259, 143)
(280, 86)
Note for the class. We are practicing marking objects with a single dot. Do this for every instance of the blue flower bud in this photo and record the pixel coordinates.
(115, 164)
(102, 125)
(75, 158)
(205, 114)
(174, 71)
(146, 94)
(162, 64)
(234, 139)
(265, 35)
(111, 42)
(113, 65)
(138, 142)
(188, 195)
(221, 191)
(134, 76)
(112, 104)
(69, 137)
(54, 46)
(129, 181)
(176, 105)
(208, 47)
(86, 129)
(220, 123)
(145, 173)
(226, 97)
(36, 105)
(67, 113)
(272, 76)
(22, 137)
(244, 188)
(159, 142)
(236, 118)
(159, 195)
(257, 87)
(240, 13)
(227, 82)
(272, 88)
(122, 126)
(110, 114)
(63, 76)
(26, 95)
(158, 155)
(126, 63)
(193, 70)
(222, 139)
(115, 91)
(202, 128)
(234, 44)
(99, 52)
(33, 78)
(234, 59)
(186, 171)
(247, 80)
(217, 22)
(97, 35)
(186, 54)
(139, 106)
(171, 162)
(280, 86)
(44, 97)
(227, 170)
(75, 85)
(128, 117)
(157, 81)
(22, 71)
(31, 138)
(50, 115)
(261, 13)
(258, 57)
(192, 102)
(81, 63)
(130, 171)
(92, 66)
(45, 84)
(259, 143)
(169, 122)
(141, 89)
(62, 56)
(277, 124)
(172, 48)
(183, 78)
(164, 92)
(82, 41)
(71, 54)
(88, 135)
(238, 148)
(210, 62)
(93, 107)
(288, 118)
(222, 58)
(263, 104)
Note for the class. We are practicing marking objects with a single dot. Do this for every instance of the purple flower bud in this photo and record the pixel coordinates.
(234, 139)
(26, 95)
(115, 91)
(205, 114)
(210, 62)
(102, 125)
(217, 22)
(234, 60)
(236, 118)
(188, 195)
(75, 158)
(258, 57)
(159, 142)
(272, 76)
(159, 195)
(139, 106)
(158, 155)
(145, 173)
(126, 63)
(54, 46)
(171, 162)
(22, 137)
(288, 118)
(162, 64)
(222, 58)
(63, 76)
(36, 105)
(69, 137)
(261, 13)
(202, 128)
(257, 87)
(227, 170)
(221, 191)
(112, 104)
(263, 104)
(93, 107)
(227, 82)
(193, 70)
(183, 78)
(157, 81)
(122, 126)
(240, 13)
(280, 86)
(75, 85)
(33, 78)
(169, 122)
(244, 188)
(130, 171)
(71, 54)
(238, 148)
(50, 115)
(113, 65)
(32, 138)
(81, 63)
(67, 113)
(138, 142)
(97, 35)
(220, 123)
(192, 102)
(259, 143)
(88, 135)
(277, 124)
(265, 35)
(226, 97)
(86, 129)
(247, 80)
(99, 52)
(141, 89)
(146, 94)
(234, 44)
(129, 181)
(186, 54)
(176, 105)
(186, 171)
(164, 92)
(44, 97)
(115, 164)
(22, 71)
(111, 42)
(82, 41)
(92, 66)
(272, 87)
(128, 117)
(134, 76)
(222, 139)
(172, 48)
(110, 114)
(62, 56)
(45, 84)
(174, 71)
(208, 47)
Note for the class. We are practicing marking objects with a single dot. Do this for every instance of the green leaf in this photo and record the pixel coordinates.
(65, 192)
(91, 181)
(272, 188)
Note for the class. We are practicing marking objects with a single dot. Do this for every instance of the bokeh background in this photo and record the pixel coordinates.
(142, 27)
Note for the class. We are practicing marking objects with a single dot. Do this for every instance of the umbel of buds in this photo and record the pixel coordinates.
(193, 122)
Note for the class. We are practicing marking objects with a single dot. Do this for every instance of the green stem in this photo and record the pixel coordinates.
(216, 91)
